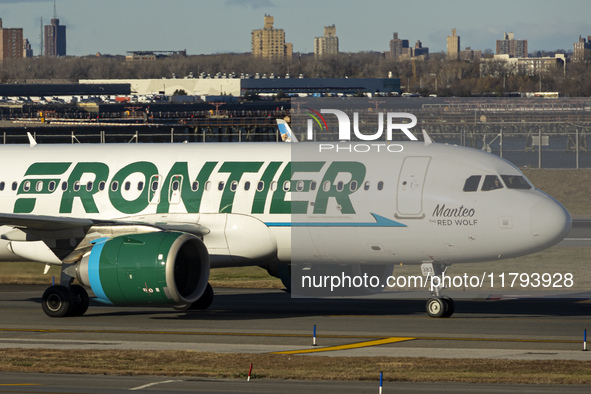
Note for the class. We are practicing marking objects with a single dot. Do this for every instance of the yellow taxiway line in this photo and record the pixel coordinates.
(356, 345)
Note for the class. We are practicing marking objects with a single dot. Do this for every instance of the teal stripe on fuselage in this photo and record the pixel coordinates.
(380, 222)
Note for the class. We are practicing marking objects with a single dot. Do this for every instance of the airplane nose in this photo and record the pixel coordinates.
(550, 222)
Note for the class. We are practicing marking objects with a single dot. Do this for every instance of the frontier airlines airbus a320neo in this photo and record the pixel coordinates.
(143, 224)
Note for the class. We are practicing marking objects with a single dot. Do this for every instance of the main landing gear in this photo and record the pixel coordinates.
(65, 299)
(437, 306)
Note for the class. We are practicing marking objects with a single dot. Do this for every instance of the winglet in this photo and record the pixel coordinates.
(428, 140)
(285, 131)
(32, 141)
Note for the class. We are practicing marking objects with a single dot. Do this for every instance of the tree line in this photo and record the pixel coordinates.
(435, 75)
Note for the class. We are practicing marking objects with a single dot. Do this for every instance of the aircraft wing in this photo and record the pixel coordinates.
(44, 223)
(51, 239)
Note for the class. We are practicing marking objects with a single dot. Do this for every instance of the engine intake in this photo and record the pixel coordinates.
(162, 268)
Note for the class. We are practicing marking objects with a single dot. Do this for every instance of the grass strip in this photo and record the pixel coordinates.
(272, 366)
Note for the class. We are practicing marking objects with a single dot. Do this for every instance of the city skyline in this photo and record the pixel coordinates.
(222, 26)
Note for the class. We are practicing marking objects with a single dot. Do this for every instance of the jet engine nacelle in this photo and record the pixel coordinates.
(160, 268)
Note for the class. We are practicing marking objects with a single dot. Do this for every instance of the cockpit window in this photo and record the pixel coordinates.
(516, 182)
(491, 182)
(472, 183)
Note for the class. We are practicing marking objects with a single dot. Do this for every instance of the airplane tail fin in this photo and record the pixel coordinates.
(285, 130)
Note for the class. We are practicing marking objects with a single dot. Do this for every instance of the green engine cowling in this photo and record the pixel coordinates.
(159, 268)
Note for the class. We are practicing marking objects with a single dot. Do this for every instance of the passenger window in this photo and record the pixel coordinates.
(353, 186)
(77, 186)
(286, 186)
(516, 182)
(154, 186)
(64, 186)
(340, 186)
(39, 186)
(140, 186)
(246, 185)
(491, 182)
(101, 185)
(380, 185)
(52, 186)
(89, 186)
(313, 185)
(195, 186)
(472, 183)
(114, 186)
(233, 186)
(260, 186)
(127, 185)
(27, 186)
(14, 186)
(221, 186)
(366, 185)
(175, 185)
(1, 186)
(300, 186)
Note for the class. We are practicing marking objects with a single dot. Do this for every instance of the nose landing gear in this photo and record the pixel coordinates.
(437, 306)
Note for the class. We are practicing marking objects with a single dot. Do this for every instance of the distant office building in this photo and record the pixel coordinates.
(11, 43)
(453, 46)
(269, 42)
(582, 49)
(328, 44)
(27, 49)
(398, 47)
(512, 47)
(55, 39)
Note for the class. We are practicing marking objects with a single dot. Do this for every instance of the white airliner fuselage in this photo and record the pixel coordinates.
(90, 207)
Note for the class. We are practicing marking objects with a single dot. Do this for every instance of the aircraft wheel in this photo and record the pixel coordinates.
(450, 306)
(81, 300)
(436, 307)
(57, 301)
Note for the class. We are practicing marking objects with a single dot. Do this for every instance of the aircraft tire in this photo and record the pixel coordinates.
(57, 301)
(80, 300)
(436, 307)
(450, 306)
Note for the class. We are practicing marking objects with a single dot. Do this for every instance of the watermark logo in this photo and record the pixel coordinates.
(344, 123)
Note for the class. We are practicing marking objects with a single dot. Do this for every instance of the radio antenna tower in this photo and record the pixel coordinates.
(54, 9)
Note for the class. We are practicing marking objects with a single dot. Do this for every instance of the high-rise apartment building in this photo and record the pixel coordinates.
(582, 49)
(11, 43)
(453, 46)
(269, 42)
(512, 47)
(398, 47)
(27, 49)
(328, 44)
(55, 38)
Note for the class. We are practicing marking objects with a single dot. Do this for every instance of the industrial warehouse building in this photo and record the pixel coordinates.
(241, 86)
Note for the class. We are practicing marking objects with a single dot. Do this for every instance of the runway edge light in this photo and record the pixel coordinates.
(585, 340)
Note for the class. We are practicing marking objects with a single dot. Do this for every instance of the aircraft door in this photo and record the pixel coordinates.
(174, 189)
(409, 197)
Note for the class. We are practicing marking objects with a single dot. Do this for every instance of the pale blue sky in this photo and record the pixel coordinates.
(217, 26)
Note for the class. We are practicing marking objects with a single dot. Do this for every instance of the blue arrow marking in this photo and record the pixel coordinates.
(380, 222)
